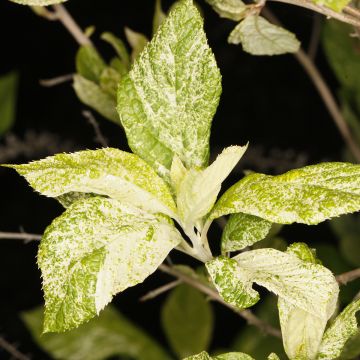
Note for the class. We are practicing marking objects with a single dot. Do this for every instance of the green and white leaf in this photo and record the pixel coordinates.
(233, 285)
(230, 9)
(259, 37)
(301, 331)
(243, 230)
(38, 2)
(229, 356)
(89, 63)
(111, 334)
(95, 250)
(137, 42)
(336, 5)
(340, 331)
(94, 96)
(8, 94)
(167, 101)
(177, 174)
(199, 189)
(111, 172)
(187, 320)
(308, 195)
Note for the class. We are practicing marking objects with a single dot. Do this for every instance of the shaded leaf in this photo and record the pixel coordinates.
(118, 46)
(187, 320)
(8, 93)
(336, 5)
(159, 16)
(86, 256)
(259, 37)
(167, 101)
(109, 335)
(89, 63)
(137, 42)
(230, 9)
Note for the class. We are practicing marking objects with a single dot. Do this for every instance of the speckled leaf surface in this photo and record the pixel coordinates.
(340, 331)
(310, 287)
(228, 356)
(336, 5)
(167, 101)
(259, 37)
(200, 188)
(230, 9)
(302, 331)
(38, 2)
(108, 335)
(96, 249)
(308, 195)
(243, 230)
(233, 285)
(111, 172)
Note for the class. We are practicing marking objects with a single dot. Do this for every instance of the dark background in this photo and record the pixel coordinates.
(268, 101)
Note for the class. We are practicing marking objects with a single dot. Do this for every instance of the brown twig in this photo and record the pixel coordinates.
(19, 236)
(315, 37)
(99, 137)
(347, 277)
(56, 80)
(325, 93)
(11, 349)
(246, 314)
(160, 290)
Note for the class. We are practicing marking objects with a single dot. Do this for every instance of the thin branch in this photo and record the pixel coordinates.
(344, 17)
(11, 349)
(347, 277)
(246, 314)
(325, 93)
(99, 137)
(352, 11)
(56, 80)
(315, 37)
(160, 290)
(69, 23)
(19, 236)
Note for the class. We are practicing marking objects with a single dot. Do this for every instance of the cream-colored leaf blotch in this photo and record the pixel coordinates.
(200, 188)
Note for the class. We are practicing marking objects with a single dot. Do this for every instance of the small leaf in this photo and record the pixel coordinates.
(200, 188)
(336, 5)
(38, 2)
(340, 331)
(109, 81)
(308, 195)
(8, 93)
(167, 102)
(137, 42)
(110, 172)
(273, 356)
(159, 16)
(86, 256)
(229, 356)
(108, 335)
(187, 320)
(259, 37)
(94, 96)
(118, 46)
(301, 331)
(235, 288)
(230, 9)
(243, 230)
(89, 63)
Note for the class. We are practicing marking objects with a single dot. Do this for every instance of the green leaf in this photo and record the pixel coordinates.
(336, 5)
(200, 188)
(273, 356)
(342, 52)
(108, 335)
(94, 96)
(118, 46)
(8, 92)
(95, 250)
(230, 9)
(301, 331)
(259, 37)
(351, 349)
(187, 320)
(235, 288)
(109, 81)
(137, 42)
(308, 195)
(229, 356)
(167, 102)
(159, 16)
(340, 331)
(110, 172)
(38, 2)
(243, 230)
(89, 63)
